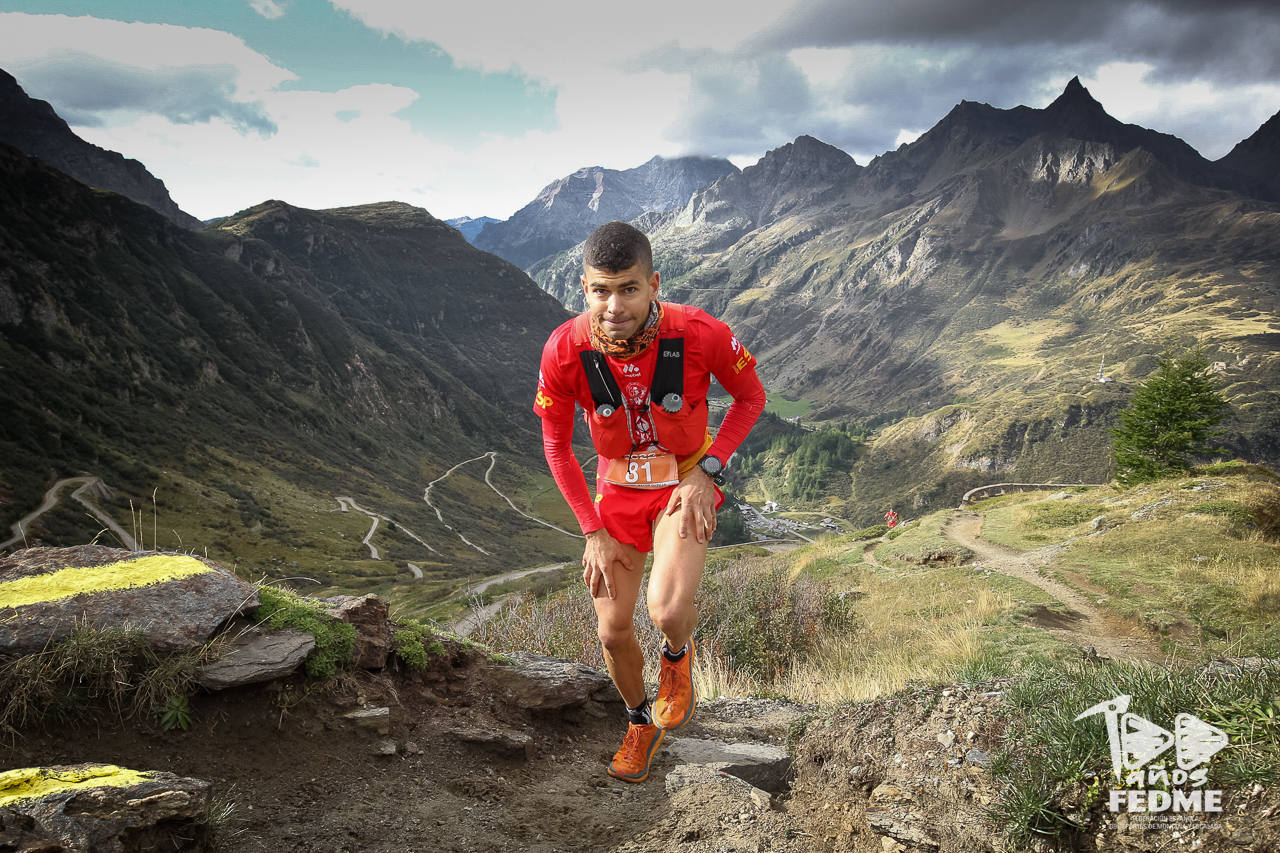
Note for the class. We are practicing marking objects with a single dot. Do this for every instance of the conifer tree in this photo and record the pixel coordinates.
(1169, 421)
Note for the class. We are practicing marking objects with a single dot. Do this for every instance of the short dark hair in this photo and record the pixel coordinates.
(616, 246)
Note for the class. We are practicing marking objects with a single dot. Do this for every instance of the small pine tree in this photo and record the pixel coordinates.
(1169, 420)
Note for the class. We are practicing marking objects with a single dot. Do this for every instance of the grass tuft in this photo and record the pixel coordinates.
(282, 608)
(1054, 768)
(93, 673)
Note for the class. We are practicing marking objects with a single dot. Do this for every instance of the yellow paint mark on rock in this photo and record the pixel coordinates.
(32, 783)
(127, 574)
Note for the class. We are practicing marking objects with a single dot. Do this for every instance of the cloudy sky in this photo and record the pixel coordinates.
(469, 108)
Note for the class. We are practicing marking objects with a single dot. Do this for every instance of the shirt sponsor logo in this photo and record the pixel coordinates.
(543, 400)
(630, 370)
(743, 360)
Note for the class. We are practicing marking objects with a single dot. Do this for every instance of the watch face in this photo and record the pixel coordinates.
(711, 465)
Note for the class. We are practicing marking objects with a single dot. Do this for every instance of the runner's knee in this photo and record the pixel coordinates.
(669, 617)
(616, 637)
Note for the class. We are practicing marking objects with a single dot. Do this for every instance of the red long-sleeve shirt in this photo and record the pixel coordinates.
(711, 349)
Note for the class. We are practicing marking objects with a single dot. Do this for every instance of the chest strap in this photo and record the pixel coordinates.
(667, 386)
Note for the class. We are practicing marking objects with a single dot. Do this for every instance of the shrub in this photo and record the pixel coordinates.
(875, 531)
(416, 644)
(1237, 513)
(762, 622)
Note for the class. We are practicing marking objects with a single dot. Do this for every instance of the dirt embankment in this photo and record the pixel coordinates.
(471, 771)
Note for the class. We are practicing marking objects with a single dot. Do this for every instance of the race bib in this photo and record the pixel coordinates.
(644, 469)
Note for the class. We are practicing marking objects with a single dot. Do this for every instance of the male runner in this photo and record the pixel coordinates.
(640, 370)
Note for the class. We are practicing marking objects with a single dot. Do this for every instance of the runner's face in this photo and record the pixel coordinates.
(620, 300)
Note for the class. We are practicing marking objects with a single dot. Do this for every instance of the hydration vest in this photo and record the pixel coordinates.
(679, 424)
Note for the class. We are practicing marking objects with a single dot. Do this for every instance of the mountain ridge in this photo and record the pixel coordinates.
(566, 210)
(966, 285)
(253, 370)
(33, 127)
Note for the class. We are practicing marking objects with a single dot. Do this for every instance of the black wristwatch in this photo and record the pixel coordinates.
(713, 468)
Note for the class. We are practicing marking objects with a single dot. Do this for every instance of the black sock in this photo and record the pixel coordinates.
(674, 657)
(640, 714)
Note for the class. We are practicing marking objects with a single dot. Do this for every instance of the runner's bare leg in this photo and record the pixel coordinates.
(673, 581)
(615, 622)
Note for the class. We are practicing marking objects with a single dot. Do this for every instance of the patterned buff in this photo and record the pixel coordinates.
(633, 346)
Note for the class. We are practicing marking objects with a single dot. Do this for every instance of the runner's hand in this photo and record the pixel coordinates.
(695, 499)
(599, 561)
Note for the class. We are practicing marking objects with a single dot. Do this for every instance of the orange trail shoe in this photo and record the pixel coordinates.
(676, 700)
(631, 762)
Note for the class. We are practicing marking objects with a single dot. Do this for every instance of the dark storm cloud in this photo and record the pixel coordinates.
(84, 89)
(736, 105)
(747, 105)
(1233, 40)
(916, 59)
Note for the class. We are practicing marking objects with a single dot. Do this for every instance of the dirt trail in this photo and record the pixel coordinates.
(1085, 625)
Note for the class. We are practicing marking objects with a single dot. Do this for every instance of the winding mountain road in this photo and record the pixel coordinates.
(344, 502)
(51, 498)
(464, 626)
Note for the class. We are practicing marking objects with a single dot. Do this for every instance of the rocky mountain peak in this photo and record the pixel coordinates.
(1078, 114)
(806, 160)
(34, 128)
(569, 208)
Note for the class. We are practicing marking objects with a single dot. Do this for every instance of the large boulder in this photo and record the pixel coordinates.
(177, 601)
(98, 808)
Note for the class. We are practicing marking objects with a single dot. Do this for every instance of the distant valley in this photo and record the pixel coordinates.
(343, 395)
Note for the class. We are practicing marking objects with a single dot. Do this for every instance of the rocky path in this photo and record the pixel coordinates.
(1084, 625)
(51, 498)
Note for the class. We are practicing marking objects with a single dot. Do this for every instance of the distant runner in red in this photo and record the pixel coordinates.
(891, 518)
(640, 370)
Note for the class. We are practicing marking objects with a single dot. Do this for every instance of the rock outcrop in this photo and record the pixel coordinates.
(257, 656)
(97, 808)
(176, 601)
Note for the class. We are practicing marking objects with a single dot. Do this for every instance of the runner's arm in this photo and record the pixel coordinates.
(748, 402)
(557, 446)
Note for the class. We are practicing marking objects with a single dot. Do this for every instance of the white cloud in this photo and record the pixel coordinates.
(29, 39)
(268, 9)
(1212, 118)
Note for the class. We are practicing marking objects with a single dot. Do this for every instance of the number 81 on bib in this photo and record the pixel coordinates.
(644, 469)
